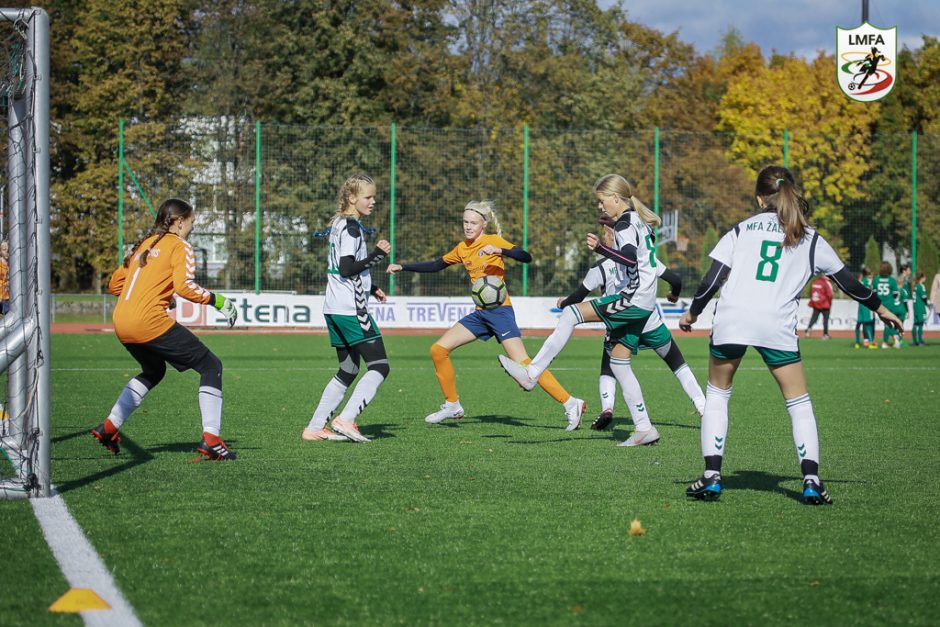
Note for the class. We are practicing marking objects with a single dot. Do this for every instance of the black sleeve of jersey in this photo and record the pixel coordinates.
(626, 256)
(854, 288)
(425, 266)
(674, 281)
(348, 266)
(710, 284)
(518, 254)
(576, 296)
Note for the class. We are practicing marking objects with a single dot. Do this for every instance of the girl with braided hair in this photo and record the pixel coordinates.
(160, 266)
(353, 331)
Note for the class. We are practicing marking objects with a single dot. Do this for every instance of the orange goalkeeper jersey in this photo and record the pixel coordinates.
(144, 293)
(477, 265)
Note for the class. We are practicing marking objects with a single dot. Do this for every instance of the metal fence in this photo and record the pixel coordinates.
(265, 194)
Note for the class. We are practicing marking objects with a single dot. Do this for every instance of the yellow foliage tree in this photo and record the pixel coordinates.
(829, 149)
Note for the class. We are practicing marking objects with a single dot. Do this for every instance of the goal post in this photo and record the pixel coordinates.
(25, 436)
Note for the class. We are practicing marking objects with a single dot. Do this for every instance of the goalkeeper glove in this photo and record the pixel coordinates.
(226, 308)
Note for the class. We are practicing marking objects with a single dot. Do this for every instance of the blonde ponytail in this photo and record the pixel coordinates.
(644, 212)
(486, 210)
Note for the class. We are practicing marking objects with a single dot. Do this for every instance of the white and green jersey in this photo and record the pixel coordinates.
(638, 284)
(603, 275)
(347, 296)
(759, 301)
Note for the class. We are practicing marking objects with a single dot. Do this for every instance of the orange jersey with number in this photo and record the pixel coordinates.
(145, 293)
(478, 265)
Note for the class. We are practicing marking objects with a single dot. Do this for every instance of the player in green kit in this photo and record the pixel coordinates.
(920, 308)
(865, 320)
(886, 287)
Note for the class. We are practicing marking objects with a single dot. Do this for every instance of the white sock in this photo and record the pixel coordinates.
(691, 387)
(210, 406)
(330, 399)
(715, 421)
(570, 318)
(130, 399)
(805, 436)
(362, 395)
(608, 389)
(632, 393)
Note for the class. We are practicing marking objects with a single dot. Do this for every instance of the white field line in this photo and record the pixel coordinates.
(81, 564)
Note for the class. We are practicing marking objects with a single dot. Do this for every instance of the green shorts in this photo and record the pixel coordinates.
(624, 322)
(347, 331)
(771, 356)
(660, 336)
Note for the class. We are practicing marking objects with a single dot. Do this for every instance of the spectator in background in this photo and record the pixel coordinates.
(4, 278)
(820, 301)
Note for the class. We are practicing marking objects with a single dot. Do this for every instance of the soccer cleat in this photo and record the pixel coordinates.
(574, 409)
(642, 438)
(604, 420)
(705, 488)
(215, 452)
(110, 441)
(323, 434)
(518, 372)
(815, 493)
(350, 430)
(857, 346)
(447, 410)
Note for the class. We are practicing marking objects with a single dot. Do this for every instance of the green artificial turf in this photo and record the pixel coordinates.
(499, 518)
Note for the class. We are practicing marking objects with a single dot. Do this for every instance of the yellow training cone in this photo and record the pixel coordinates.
(78, 600)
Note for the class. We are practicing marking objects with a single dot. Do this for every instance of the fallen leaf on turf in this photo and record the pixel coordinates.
(637, 528)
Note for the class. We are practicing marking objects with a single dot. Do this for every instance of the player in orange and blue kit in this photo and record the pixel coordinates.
(160, 266)
(482, 254)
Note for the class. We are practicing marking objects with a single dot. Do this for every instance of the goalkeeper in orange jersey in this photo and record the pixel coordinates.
(482, 253)
(159, 267)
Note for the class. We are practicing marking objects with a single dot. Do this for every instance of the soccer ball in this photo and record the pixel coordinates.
(488, 292)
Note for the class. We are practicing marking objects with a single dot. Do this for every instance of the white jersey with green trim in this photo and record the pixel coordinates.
(347, 296)
(638, 283)
(759, 301)
(603, 275)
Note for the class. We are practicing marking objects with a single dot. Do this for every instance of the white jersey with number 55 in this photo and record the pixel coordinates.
(759, 301)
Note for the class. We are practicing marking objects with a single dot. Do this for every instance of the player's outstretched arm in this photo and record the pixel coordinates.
(348, 266)
(419, 266)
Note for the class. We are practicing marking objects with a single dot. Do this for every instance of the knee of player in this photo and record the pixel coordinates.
(380, 367)
(347, 374)
(438, 351)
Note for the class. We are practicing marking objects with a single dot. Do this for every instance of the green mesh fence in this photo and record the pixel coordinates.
(861, 191)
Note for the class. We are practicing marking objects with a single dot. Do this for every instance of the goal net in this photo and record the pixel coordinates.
(25, 266)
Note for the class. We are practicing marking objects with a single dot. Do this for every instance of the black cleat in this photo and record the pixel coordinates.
(109, 441)
(815, 493)
(216, 452)
(705, 489)
(603, 420)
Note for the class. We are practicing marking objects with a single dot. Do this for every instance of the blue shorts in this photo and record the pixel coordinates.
(499, 323)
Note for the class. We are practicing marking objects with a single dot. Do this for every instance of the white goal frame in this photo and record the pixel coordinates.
(25, 436)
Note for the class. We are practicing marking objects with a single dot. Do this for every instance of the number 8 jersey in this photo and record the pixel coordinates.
(759, 301)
